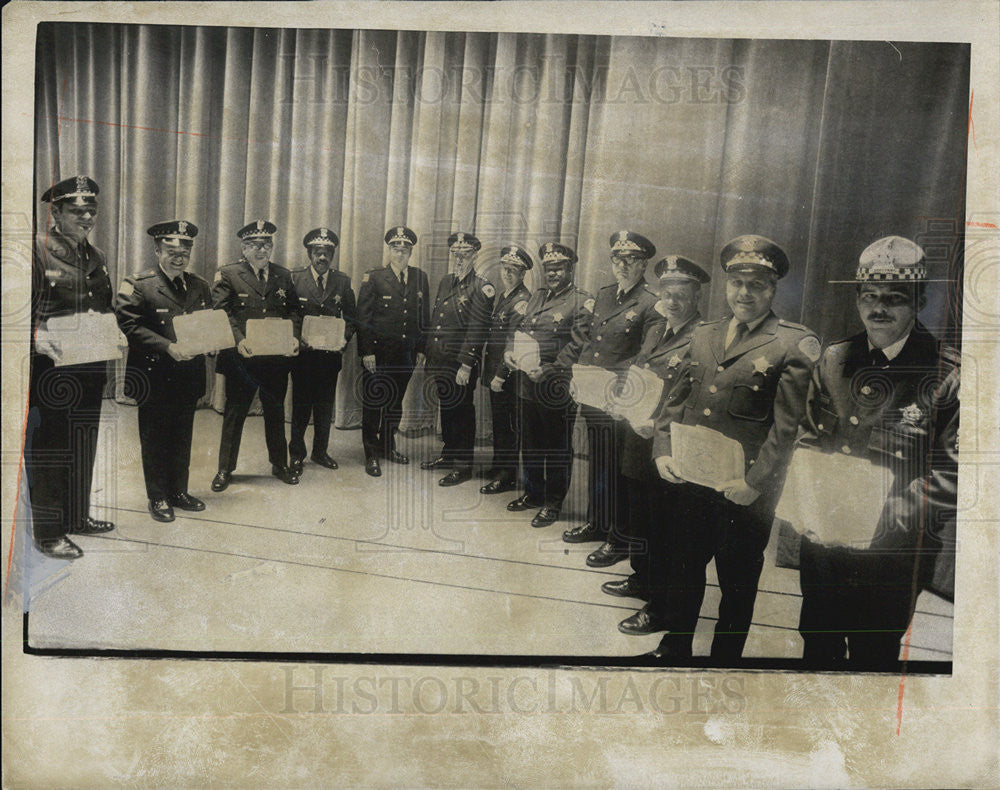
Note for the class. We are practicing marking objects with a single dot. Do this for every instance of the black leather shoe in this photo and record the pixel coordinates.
(455, 477)
(160, 510)
(624, 588)
(295, 465)
(545, 516)
(325, 460)
(438, 463)
(59, 549)
(91, 526)
(285, 475)
(585, 533)
(221, 481)
(668, 652)
(371, 466)
(498, 486)
(607, 555)
(523, 502)
(397, 457)
(641, 623)
(185, 501)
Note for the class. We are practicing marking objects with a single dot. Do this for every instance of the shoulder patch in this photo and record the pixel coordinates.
(489, 291)
(365, 278)
(126, 289)
(521, 307)
(809, 346)
(589, 305)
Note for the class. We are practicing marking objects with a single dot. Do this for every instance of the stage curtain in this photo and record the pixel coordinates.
(821, 146)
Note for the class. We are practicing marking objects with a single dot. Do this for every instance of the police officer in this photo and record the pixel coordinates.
(68, 275)
(746, 377)
(557, 317)
(890, 395)
(255, 287)
(460, 322)
(393, 312)
(508, 311)
(624, 316)
(322, 290)
(165, 380)
(650, 525)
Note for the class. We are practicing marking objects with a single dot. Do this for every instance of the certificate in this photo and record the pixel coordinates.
(594, 386)
(639, 396)
(525, 352)
(84, 337)
(813, 499)
(270, 336)
(704, 456)
(324, 332)
(204, 331)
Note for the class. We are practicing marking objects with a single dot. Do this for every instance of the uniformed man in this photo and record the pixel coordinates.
(624, 316)
(746, 377)
(393, 312)
(322, 290)
(650, 525)
(890, 395)
(557, 317)
(460, 322)
(164, 378)
(68, 275)
(255, 287)
(508, 311)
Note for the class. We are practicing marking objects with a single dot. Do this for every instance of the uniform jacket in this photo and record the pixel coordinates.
(618, 330)
(146, 306)
(507, 314)
(460, 321)
(754, 393)
(67, 279)
(662, 355)
(903, 416)
(560, 326)
(391, 320)
(337, 298)
(238, 291)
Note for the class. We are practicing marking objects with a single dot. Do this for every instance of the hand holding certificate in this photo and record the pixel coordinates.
(594, 386)
(324, 332)
(639, 397)
(525, 352)
(705, 457)
(203, 332)
(271, 337)
(81, 338)
(813, 498)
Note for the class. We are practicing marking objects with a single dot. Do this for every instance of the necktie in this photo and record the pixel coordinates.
(879, 359)
(402, 277)
(179, 284)
(621, 297)
(668, 333)
(319, 282)
(741, 330)
(260, 276)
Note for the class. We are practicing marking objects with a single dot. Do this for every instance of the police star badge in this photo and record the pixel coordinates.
(557, 317)
(761, 365)
(674, 361)
(630, 315)
(336, 298)
(281, 292)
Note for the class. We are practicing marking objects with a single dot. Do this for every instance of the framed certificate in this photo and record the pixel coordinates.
(270, 336)
(204, 331)
(324, 332)
(85, 337)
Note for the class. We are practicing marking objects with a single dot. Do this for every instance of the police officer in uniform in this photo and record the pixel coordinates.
(649, 525)
(508, 311)
(889, 394)
(165, 380)
(459, 325)
(393, 312)
(255, 287)
(746, 377)
(624, 316)
(557, 317)
(322, 290)
(68, 275)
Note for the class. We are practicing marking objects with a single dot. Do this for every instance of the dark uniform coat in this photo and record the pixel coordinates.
(460, 321)
(618, 329)
(391, 319)
(66, 278)
(336, 300)
(508, 311)
(902, 415)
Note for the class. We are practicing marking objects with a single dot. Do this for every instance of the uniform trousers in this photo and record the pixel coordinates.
(708, 526)
(165, 429)
(506, 417)
(646, 522)
(547, 450)
(382, 404)
(314, 390)
(458, 412)
(246, 377)
(856, 604)
(61, 443)
(606, 504)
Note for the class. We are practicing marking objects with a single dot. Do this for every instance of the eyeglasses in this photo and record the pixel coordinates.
(625, 260)
(892, 299)
(259, 245)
